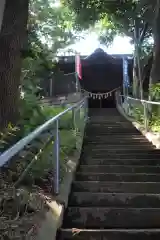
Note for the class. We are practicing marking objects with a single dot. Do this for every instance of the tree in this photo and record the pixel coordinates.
(48, 30)
(117, 17)
(153, 18)
(12, 36)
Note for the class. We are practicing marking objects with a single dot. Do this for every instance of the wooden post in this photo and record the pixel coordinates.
(137, 57)
(51, 87)
(2, 5)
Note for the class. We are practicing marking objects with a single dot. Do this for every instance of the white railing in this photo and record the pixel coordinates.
(145, 103)
(20, 145)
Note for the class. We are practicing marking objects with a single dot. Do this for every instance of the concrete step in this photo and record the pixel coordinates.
(96, 148)
(111, 139)
(102, 217)
(133, 136)
(109, 122)
(114, 145)
(116, 187)
(118, 144)
(128, 200)
(117, 177)
(109, 234)
(121, 155)
(118, 169)
(91, 161)
(114, 130)
(108, 140)
(119, 130)
(116, 192)
(102, 133)
(123, 151)
(111, 127)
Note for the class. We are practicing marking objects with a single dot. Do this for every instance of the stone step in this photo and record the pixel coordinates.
(118, 144)
(117, 177)
(108, 150)
(110, 124)
(110, 140)
(128, 200)
(116, 192)
(112, 129)
(119, 130)
(118, 169)
(109, 234)
(108, 133)
(102, 130)
(120, 152)
(99, 161)
(120, 155)
(124, 151)
(116, 147)
(117, 136)
(116, 187)
(102, 217)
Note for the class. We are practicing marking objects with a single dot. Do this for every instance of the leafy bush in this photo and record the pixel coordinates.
(155, 92)
(153, 110)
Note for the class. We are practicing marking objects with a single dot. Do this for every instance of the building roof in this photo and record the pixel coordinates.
(98, 54)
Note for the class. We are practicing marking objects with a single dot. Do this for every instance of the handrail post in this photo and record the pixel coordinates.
(73, 118)
(86, 109)
(145, 116)
(56, 157)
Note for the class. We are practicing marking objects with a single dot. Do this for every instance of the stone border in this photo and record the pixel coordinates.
(54, 217)
(152, 137)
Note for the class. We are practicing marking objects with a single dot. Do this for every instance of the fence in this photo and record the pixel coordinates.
(147, 109)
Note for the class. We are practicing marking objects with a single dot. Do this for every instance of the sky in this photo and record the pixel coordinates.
(121, 45)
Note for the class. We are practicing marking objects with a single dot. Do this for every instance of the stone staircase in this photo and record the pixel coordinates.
(116, 192)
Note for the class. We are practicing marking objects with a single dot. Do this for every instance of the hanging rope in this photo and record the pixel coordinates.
(99, 95)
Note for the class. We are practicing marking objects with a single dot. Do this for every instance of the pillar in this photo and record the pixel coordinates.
(2, 5)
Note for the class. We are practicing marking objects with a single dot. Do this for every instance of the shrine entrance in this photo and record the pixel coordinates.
(97, 102)
(99, 75)
(102, 76)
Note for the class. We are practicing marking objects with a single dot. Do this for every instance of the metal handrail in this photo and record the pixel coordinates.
(145, 105)
(20, 145)
(140, 100)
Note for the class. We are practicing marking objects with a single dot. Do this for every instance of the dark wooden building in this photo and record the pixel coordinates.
(101, 73)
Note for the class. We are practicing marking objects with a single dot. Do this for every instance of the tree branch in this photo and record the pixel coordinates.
(143, 32)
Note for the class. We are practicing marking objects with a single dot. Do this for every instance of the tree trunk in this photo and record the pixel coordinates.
(12, 36)
(135, 79)
(146, 73)
(136, 64)
(155, 71)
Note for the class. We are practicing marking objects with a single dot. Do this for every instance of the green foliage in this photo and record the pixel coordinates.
(137, 110)
(114, 17)
(50, 28)
(155, 92)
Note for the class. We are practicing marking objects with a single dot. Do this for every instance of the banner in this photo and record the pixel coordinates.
(78, 66)
(125, 73)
